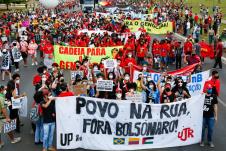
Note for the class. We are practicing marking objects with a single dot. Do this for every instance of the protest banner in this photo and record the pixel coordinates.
(110, 63)
(9, 126)
(66, 56)
(195, 86)
(151, 28)
(100, 124)
(74, 73)
(104, 85)
(80, 89)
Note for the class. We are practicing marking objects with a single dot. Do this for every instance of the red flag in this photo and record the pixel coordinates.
(206, 50)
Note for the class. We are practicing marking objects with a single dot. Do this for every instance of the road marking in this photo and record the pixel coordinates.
(222, 102)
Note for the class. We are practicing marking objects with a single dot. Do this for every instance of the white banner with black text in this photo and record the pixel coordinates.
(100, 124)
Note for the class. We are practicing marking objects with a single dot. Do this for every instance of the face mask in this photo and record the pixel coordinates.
(4, 92)
(216, 77)
(85, 64)
(148, 79)
(119, 95)
(17, 81)
(44, 71)
(151, 86)
(180, 84)
(100, 78)
(43, 79)
(209, 91)
(145, 68)
(127, 78)
(4, 50)
(110, 76)
(53, 69)
(167, 89)
(129, 56)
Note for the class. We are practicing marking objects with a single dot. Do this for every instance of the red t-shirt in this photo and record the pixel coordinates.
(68, 93)
(213, 83)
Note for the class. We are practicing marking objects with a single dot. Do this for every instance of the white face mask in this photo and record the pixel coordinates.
(95, 68)
(145, 68)
(100, 78)
(148, 79)
(151, 86)
(129, 56)
(110, 76)
(44, 79)
(4, 92)
(126, 78)
(17, 81)
(119, 95)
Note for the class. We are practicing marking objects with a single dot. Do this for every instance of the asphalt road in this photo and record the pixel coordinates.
(27, 143)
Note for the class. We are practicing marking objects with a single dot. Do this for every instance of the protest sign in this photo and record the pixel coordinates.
(65, 56)
(104, 85)
(74, 73)
(151, 27)
(195, 86)
(110, 63)
(9, 126)
(16, 103)
(137, 97)
(80, 89)
(23, 109)
(100, 124)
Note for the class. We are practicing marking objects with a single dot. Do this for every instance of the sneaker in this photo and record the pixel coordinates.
(16, 140)
(202, 144)
(211, 144)
(1, 145)
(33, 64)
(36, 63)
(51, 149)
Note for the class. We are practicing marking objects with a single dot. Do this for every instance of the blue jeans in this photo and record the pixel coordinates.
(49, 129)
(39, 131)
(209, 124)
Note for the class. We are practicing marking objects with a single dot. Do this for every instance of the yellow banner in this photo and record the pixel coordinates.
(66, 56)
(150, 27)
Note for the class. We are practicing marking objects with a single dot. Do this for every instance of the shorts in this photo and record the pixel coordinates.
(2, 121)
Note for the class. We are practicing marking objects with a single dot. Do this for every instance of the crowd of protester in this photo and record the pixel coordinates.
(25, 36)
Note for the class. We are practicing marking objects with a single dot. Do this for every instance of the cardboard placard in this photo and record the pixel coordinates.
(134, 97)
(104, 85)
(80, 89)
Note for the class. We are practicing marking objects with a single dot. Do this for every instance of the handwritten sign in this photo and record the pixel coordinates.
(80, 89)
(104, 85)
(110, 63)
(74, 73)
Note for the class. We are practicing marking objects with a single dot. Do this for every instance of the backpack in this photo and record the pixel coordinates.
(34, 113)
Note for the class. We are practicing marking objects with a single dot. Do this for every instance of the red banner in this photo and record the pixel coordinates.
(206, 50)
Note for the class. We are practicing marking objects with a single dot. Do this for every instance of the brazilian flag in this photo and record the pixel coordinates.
(119, 141)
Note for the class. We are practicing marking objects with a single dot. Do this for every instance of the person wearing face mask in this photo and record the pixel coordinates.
(152, 93)
(37, 79)
(65, 91)
(32, 51)
(85, 66)
(167, 96)
(23, 50)
(111, 95)
(210, 115)
(129, 61)
(118, 94)
(6, 65)
(124, 85)
(5, 118)
(99, 94)
(180, 89)
(214, 81)
(13, 91)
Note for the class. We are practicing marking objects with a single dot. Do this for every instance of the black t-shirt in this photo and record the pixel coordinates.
(208, 109)
(49, 114)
